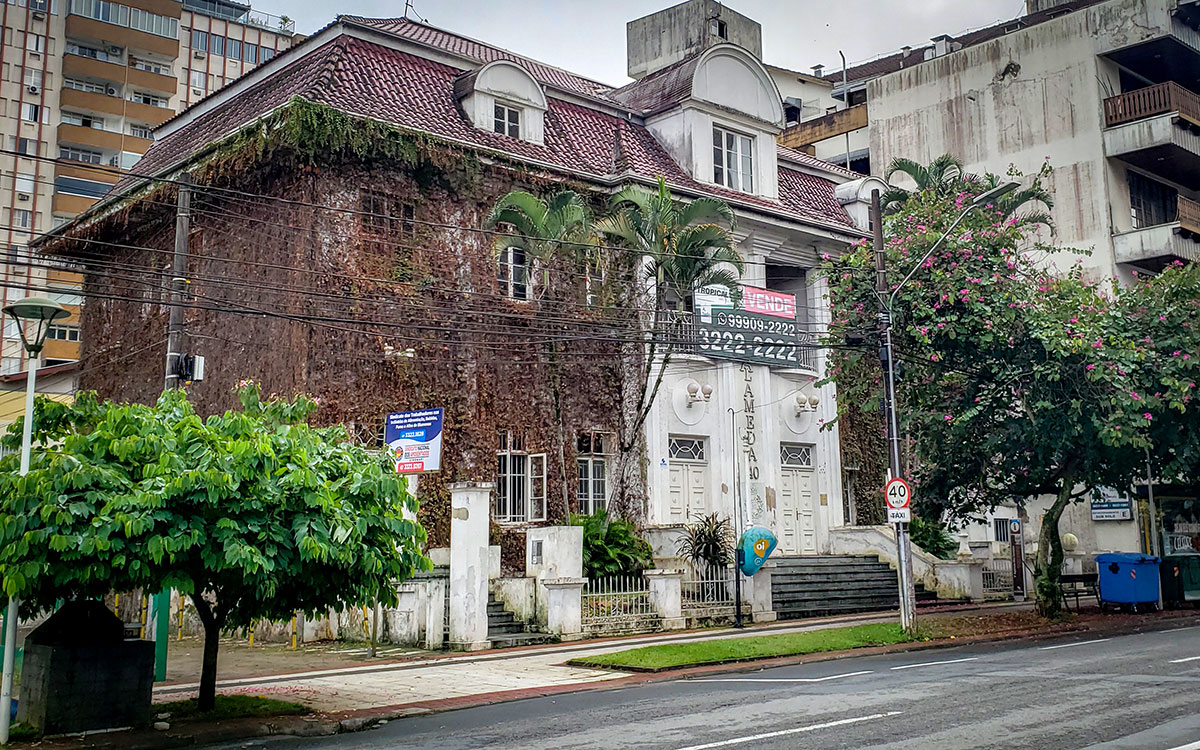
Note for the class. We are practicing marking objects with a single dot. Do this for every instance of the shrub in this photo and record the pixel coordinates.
(932, 537)
(612, 547)
(708, 543)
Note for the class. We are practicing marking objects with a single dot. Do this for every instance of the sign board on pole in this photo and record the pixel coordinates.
(415, 438)
(1017, 555)
(898, 495)
(1110, 506)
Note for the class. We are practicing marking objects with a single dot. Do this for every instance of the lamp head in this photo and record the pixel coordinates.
(985, 198)
(33, 316)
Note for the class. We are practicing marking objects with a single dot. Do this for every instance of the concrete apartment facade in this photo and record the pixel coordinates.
(83, 86)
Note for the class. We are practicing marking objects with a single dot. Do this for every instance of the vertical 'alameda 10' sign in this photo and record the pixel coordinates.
(415, 439)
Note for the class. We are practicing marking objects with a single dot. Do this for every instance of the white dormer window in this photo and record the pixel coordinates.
(733, 160)
(507, 120)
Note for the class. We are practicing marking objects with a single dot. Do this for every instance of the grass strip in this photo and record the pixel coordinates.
(719, 651)
(231, 707)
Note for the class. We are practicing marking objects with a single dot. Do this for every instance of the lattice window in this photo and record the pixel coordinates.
(796, 455)
(686, 449)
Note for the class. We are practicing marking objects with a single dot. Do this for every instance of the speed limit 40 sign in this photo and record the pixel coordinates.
(898, 495)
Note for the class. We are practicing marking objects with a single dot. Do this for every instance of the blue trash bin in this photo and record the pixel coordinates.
(1128, 578)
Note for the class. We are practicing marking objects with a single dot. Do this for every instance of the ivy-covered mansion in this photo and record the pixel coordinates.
(338, 245)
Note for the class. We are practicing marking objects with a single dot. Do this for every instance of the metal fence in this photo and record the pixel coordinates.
(997, 578)
(618, 603)
(711, 588)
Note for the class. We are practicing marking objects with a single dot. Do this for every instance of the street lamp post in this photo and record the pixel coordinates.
(33, 316)
(908, 598)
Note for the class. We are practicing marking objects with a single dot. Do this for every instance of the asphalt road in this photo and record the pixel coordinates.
(1136, 692)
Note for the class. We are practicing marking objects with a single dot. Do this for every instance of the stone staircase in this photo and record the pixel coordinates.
(505, 631)
(836, 585)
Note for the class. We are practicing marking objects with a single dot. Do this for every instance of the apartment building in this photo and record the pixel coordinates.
(83, 85)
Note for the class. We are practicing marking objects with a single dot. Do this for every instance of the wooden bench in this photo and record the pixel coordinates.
(1079, 584)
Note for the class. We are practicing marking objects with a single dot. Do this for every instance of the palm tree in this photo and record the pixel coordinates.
(1009, 203)
(684, 247)
(551, 235)
(941, 175)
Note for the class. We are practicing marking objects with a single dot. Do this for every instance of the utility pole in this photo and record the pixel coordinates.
(161, 602)
(908, 595)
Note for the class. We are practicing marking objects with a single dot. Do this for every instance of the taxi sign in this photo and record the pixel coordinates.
(897, 494)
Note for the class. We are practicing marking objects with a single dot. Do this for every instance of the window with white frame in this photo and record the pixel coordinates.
(1000, 525)
(82, 120)
(24, 183)
(685, 448)
(33, 76)
(89, 86)
(591, 460)
(733, 160)
(74, 48)
(507, 120)
(513, 273)
(199, 80)
(141, 97)
(80, 154)
(35, 113)
(62, 333)
(141, 131)
(35, 42)
(520, 481)
(150, 66)
(22, 218)
(796, 455)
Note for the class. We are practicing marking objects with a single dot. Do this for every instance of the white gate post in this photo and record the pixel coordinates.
(564, 607)
(666, 595)
(469, 515)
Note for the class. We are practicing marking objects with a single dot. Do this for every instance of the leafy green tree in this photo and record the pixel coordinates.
(252, 513)
(1018, 384)
(943, 175)
(685, 246)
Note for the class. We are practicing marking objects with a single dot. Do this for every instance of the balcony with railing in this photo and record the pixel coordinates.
(1155, 247)
(1156, 128)
(239, 13)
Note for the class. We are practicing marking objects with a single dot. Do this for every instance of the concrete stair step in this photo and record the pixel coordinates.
(510, 640)
(856, 578)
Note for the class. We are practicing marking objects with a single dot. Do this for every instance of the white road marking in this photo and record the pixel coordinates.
(1077, 643)
(783, 679)
(1181, 661)
(785, 732)
(935, 663)
(1189, 746)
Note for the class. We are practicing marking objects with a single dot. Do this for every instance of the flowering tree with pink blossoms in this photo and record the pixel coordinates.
(1020, 381)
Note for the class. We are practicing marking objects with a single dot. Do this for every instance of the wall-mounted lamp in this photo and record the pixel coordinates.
(805, 404)
(697, 392)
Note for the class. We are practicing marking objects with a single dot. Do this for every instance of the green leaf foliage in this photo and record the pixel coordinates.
(612, 547)
(707, 543)
(932, 537)
(252, 509)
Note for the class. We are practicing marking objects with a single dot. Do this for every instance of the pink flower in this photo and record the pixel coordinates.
(1097, 344)
(1135, 396)
(1147, 416)
(948, 417)
(1090, 367)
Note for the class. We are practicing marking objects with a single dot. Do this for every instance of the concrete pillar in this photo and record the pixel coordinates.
(757, 590)
(404, 620)
(469, 564)
(564, 607)
(666, 594)
(435, 613)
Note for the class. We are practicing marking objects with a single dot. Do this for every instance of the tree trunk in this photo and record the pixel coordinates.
(207, 698)
(1050, 556)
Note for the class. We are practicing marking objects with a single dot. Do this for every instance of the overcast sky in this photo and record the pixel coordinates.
(588, 36)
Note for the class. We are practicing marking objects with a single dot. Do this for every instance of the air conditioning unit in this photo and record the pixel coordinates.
(35, 55)
(114, 50)
(112, 91)
(39, 16)
(33, 88)
(197, 92)
(199, 55)
(22, 196)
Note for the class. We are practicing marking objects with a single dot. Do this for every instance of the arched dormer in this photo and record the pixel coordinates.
(731, 78)
(504, 98)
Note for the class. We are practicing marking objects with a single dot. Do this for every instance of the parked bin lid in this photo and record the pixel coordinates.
(1128, 558)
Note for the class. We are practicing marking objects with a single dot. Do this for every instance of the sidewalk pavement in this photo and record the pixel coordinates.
(441, 680)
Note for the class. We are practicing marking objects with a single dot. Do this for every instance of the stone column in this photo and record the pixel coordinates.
(435, 612)
(757, 590)
(469, 515)
(666, 594)
(564, 607)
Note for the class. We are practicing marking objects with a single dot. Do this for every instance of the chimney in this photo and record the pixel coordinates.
(818, 70)
(942, 45)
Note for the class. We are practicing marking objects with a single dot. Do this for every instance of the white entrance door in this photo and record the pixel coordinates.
(688, 469)
(797, 504)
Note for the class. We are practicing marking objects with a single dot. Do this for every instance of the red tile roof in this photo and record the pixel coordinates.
(660, 90)
(370, 80)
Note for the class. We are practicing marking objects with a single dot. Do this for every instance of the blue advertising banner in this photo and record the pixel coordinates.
(415, 438)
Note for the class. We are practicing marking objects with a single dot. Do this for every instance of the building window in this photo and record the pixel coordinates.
(150, 66)
(216, 45)
(76, 186)
(27, 146)
(1151, 203)
(141, 131)
(24, 183)
(507, 121)
(35, 42)
(266, 53)
(32, 112)
(82, 120)
(33, 76)
(796, 455)
(80, 154)
(250, 53)
(142, 97)
(685, 449)
(388, 225)
(89, 86)
(22, 218)
(591, 459)
(733, 160)
(73, 48)
(199, 40)
(199, 80)
(718, 28)
(514, 273)
(1001, 527)
(62, 333)
(520, 481)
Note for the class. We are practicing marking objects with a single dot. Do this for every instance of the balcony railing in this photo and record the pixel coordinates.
(238, 14)
(1189, 216)
(1150, 102)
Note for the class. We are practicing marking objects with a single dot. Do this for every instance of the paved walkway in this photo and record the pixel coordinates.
(439, 677)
